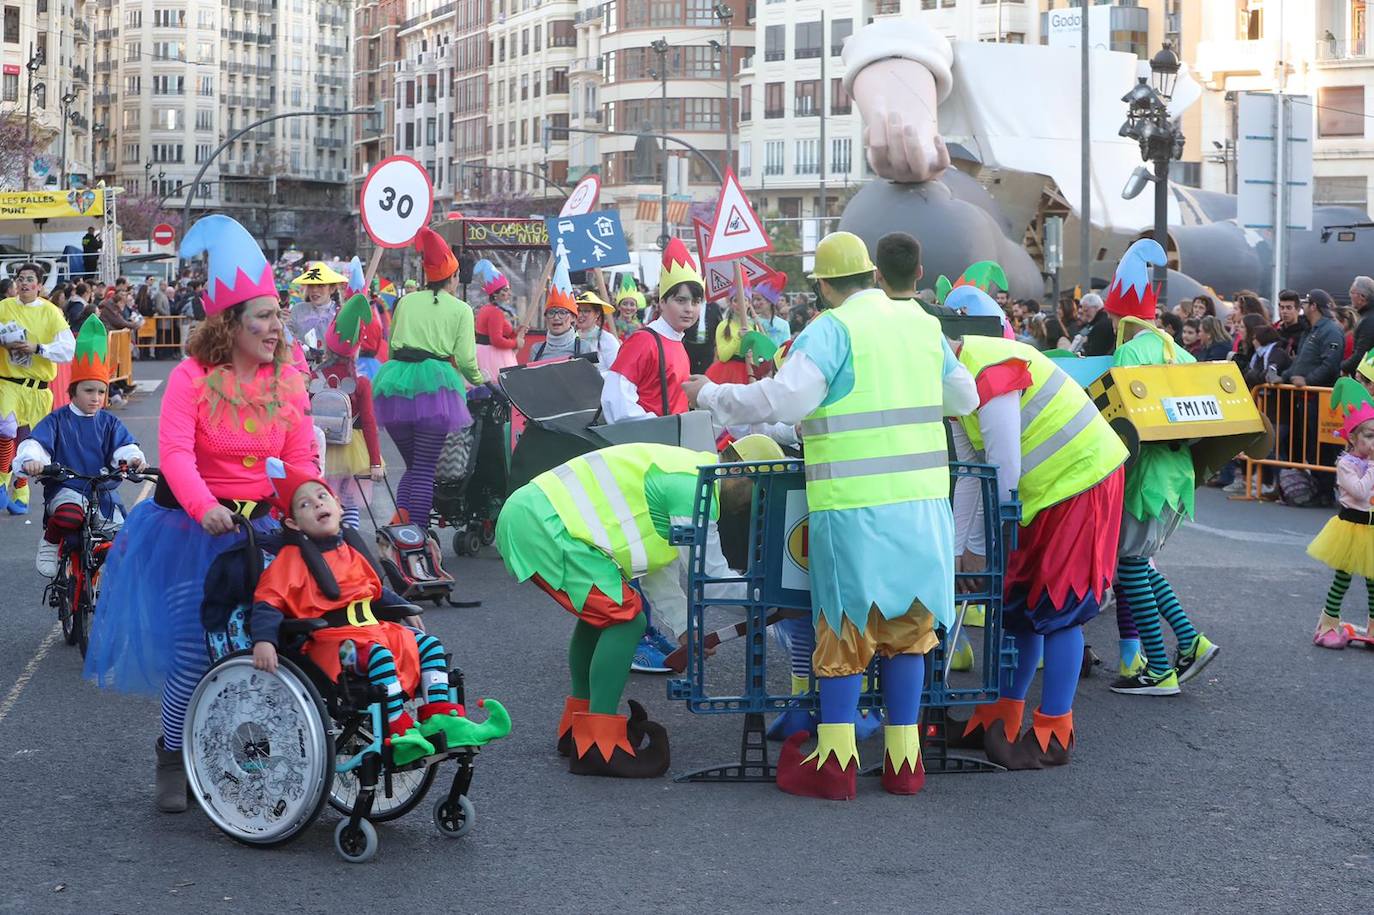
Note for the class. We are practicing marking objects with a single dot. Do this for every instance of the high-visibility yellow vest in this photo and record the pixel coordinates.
(884, 441)
(1066, 445)
(601, 499)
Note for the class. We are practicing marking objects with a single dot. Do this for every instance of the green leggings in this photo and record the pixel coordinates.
(1336, 595)
(599, 662)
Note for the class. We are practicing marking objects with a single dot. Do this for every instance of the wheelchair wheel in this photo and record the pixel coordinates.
(454, 820)
(355, 845)
(407, 788)
(259, 753)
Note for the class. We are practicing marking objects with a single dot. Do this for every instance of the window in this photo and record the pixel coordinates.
(775, 42)
(562, 34)
(524, 135)
(839, 99)
(169, 119)
(11, 37)
(772, 157)
(807, 98)
(840, 151)
(808, 160)
(808, 40)
(133, 19)
(205, 18)
(169, 50)
(205, 119)
(745, 154)
(501, 50)
(524, 42)
(1340, 191)
(772, 100)
(410, 135)
(538, 38)
(131, 118)
(1340, 111)
(133, 85)
(840, 29)
(1250, 20)
(746, 103)
(558, 80)
(524, 86)
(202, 153)
(166, 152)
(205, 51)
(169, 19)
(429, 131)
(10, 92)
(133, 51)
(169, 85)
(132, 152)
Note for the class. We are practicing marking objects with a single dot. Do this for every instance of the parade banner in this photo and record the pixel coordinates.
(505, 233)
(51, 204)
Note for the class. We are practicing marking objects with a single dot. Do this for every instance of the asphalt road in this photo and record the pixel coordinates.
(1241, 795)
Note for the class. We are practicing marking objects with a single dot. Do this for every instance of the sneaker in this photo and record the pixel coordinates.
(1146, 684)
(1236, 486)
(1189, 665)
(648, 659)
(1135, 667)
(665, 645)
(46, 560)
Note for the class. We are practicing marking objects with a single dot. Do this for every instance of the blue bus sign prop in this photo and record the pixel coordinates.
(591, 240)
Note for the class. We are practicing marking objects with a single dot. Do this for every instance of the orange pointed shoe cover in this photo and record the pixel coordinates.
(1008, 711)
(603, 747)
(571, 706)
(903, 771)
(818, 775)
(1054, 734)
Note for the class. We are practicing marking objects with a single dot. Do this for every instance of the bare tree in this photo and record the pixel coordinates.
(139, 213)
(17, 149)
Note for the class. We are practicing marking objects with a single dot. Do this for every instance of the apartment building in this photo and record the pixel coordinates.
(46, 59)
(533, 46)
(375, 48)
(176, 79)
(440, 99)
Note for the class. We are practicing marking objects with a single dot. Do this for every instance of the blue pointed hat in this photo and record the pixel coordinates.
(236, 269)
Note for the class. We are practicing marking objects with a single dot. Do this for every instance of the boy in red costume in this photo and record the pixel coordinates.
(320, 573)
(646, 378)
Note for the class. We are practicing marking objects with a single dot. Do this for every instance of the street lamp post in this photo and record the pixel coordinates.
(660, 47)
(205, 166)
(32, 65)
(710, 163)
(67, 99)
(1149, 123)
(725, 14)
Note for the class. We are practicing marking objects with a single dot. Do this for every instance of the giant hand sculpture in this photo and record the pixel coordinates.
(897, 99)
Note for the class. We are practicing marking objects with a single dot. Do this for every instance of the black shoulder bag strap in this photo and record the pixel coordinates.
(662, 371)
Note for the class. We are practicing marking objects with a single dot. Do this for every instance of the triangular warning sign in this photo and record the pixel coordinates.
(720, 276)
(737, 230)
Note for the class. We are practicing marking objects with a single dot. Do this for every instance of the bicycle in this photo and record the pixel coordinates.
(73, 592)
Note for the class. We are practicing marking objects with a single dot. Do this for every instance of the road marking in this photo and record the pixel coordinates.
(27, 674)
(1284, 539)
(147, 387)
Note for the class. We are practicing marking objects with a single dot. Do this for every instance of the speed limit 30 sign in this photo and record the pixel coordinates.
(397, 201)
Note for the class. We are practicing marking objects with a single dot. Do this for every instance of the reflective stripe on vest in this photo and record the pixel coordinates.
(601, 499)
(1066, 446)
(884, 441)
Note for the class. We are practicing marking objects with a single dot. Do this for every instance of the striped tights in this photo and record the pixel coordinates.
(1339, 585)
(1149, 596)
(420, 447)
(189, 658)
(381, 671)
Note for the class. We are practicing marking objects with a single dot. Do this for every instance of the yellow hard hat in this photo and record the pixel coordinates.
(841, 254)
(757, 447)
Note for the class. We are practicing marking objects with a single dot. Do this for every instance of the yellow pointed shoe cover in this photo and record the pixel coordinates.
(835, 740)
(903, 772)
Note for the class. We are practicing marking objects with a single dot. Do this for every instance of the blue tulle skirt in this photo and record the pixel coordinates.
(151, 589)
(368, 366)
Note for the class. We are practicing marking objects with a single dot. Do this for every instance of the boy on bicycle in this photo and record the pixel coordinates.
(84, 438)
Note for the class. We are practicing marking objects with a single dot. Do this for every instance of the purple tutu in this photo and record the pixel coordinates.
(443, 410)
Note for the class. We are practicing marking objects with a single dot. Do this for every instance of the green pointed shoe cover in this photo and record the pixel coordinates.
(463, 732)
(409, 746)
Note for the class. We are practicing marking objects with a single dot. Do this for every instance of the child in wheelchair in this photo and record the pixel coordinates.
(324, 572)
(84, 438)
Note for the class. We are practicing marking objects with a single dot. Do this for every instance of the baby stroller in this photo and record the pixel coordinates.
(265, 751)
(470, 478)
(412, 559)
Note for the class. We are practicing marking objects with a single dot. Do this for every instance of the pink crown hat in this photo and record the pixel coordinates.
(235, 267)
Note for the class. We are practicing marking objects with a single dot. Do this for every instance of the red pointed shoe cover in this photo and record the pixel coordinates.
(571, 706)
(903, 771)
(821, 775)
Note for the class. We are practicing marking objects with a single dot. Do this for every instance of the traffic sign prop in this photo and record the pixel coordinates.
(590, 240)
(163, 234)
(396, 202)
(583, 197)
(737, 230)
(720, 276)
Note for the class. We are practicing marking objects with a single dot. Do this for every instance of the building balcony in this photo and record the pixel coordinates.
(774, 113)
(80, 75)
(591, 15)
(83, 29)
(106, 98)
(107, 34)
(1332, 50)
(329, 142)
(880, 8)
(104, 66)
(807, 110)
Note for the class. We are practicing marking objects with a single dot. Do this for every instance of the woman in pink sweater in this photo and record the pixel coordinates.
(225, 410)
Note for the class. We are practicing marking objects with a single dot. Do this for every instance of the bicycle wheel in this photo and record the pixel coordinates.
(90, 590)
(62, 599)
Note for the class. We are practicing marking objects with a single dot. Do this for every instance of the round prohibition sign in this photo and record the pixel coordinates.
(397, 201)
(583, 197)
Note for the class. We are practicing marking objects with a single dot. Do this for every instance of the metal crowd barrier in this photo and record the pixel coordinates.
(163, 333)
(776, 580)
(1305, 428)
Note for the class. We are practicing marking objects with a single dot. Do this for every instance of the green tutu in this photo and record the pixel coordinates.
(407, 379)
(534, 541)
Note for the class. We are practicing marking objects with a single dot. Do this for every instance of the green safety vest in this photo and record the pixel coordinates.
(601, 500)
(1066, 445)
(884, 441)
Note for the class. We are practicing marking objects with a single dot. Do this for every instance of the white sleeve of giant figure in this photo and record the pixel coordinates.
(906, 39)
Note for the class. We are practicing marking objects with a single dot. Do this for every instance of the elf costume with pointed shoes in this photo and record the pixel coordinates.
(607, 745)
(829, 773)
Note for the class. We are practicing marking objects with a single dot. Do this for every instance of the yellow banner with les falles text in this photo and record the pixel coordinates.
(51, 204)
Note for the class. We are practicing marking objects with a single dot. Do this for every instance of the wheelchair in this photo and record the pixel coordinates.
(264, 752)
